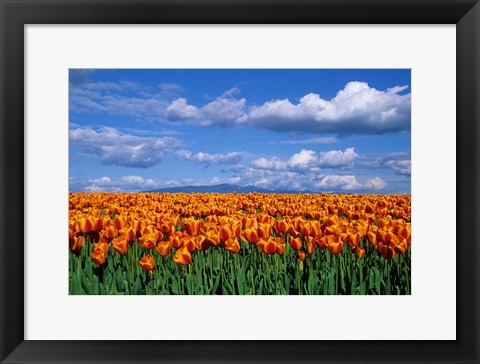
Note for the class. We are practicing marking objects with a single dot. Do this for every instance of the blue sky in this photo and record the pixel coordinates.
(321, 130)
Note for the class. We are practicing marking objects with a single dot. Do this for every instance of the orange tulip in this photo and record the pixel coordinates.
(110, 232)
(295, 242)
(334, 244)
(119, 222)
(201, 243)
(250, 235)
(164, 248)
(86, 224)
(301, 255)
(76, 243)
(99, 256)
(147, 262)
(305, 228)
(101, 245)
(182, 256)
(193, 226)
(310, 244)
(264, 231)
(387, 251)
(148, 241)
(360, 252)
(190, 244)
(129, 234)
(402, 246)
(225, 232)
(232, 245)
(212, 236)
(120, 244)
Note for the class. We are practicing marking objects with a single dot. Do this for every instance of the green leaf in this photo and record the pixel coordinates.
(286, 283)
(119, 281)
(377, 280)
(175, 286)
(76, 286)
(95, 285)
(137, 286)
(331, 283)
(86, 285)
(241, 283)
(215, 285)
(190, 285)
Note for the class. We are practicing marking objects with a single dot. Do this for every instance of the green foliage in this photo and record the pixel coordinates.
(249, 272)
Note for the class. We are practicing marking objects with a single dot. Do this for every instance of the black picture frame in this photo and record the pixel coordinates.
(15, 14)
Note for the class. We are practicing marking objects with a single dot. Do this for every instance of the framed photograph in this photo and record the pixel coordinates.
(239, 181)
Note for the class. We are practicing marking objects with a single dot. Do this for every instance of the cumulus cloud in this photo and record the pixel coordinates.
(107, 184)
(375, 184)
(398, 162)
(349, 183)
(116, 148)
(356, 109)
(180, 110)
(402, 167)
(309, 160)
(337, 158)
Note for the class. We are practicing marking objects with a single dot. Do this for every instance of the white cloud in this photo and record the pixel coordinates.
(337, 158)
(375, 184)
(303, 158)
(309, 160)
(357, 109)
(116, 148)
(107, 184)
(274, 164)
(207, 159)
(179, 110)
(349, 183)
(402, 167)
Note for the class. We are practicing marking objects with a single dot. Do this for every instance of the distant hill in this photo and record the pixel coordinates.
(223, 188)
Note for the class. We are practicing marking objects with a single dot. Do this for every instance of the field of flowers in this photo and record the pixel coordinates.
(248, 244)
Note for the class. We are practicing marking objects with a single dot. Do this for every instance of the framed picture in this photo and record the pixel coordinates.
(365, 102)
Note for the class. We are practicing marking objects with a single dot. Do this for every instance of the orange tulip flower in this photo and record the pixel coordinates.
(76, 243)
(295, 242)
(310, 240)
(147, 262)
(99, 256)
(360, 252)
(250, 235)
(387, 251)
(164, 248)
(301, 255)
(193, 226)
(119, 222)
(264, 231)
(202, 243)
(182, 256)
(334, 244)
(101, 245)
(232, 245)
(148, 241)
(225, 232)
(86, 224)
(120, 244)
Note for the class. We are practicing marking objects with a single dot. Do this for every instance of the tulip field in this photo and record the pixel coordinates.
(239, 244)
